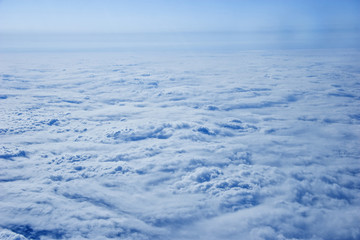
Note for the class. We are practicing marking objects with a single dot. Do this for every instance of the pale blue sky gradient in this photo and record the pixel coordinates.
(180, 24)
(111, 16)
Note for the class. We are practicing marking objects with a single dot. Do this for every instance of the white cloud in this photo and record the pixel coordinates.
(245, 145)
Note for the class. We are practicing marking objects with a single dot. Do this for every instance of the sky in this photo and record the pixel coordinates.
(111, 16)
(229, 24)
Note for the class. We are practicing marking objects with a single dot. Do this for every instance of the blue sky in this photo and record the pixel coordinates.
(111, 16)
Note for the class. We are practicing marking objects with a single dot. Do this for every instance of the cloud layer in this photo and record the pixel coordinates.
(247, 145)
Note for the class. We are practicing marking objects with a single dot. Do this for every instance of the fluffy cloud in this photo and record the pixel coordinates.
(247, 145)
